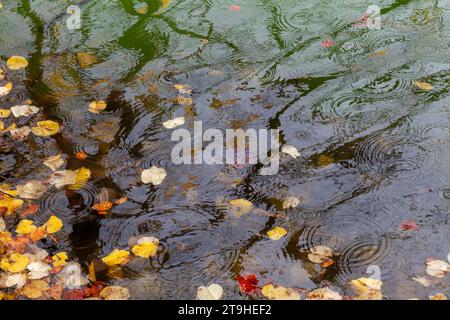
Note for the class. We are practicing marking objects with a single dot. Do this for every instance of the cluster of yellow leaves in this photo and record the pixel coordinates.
(27, 227)
(14, 262)
(97, 106)
(10, 203)
(145, 247)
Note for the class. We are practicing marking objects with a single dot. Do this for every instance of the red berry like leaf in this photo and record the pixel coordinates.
(248, 283)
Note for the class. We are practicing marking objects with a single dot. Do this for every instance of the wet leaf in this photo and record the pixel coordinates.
(97, 106)
(29, 210)
(17, 280)
(17, 62)
(423, 281)
(170, 124)
(120, 201)
(14, 263)
(11, 204)
(25, 227)
(54, 224)
(234, 8)
(327, 43)
(6, 89)
(4, 113)
(183, 88)
(323, 294)
(85, 59)
(212, 292)
(248, 284)
(38, 234)
(291, 150)
(367, 288)
(60, 259)
(81, 155)
(20, 133)
(115, 293)
(279, 293)
(164, 5)
(277, 233)
(55, 292)
(240, 207)
(116, 257)
(438, 296)
(35, 289)
(24, 111)
(38, 270)
(31, 190)
(291, 202)
(437, 268)
(103, 207)
(141, 7)
(45, 128)
(55, 162)
(154, 175)
(82, 176)
(75, 294)
(408, 225)
(319, 254)
(145, 249)
(423, 85)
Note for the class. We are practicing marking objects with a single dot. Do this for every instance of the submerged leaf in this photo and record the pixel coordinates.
(319, 254)
(240, 206)
(55, 162)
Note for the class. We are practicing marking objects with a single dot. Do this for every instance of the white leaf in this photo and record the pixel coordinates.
(16, 280)
(170, 124)
(20, 133)
(437, 268)
(31, 190)
(24, 110)
(319, 254)
(38, 270)
(212, 292)
(291, 150)
(2, 225)
(63, 178)
(423, 281)
(154, 175)
(54, 162)
(291, 202)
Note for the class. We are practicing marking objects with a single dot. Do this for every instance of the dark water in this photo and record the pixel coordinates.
(375, 148)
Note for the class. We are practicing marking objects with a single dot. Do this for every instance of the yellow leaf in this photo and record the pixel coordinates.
(54, 224)
(97, 106)
(14, 263)
(240, 206)
(82, 176)
(11, 127)
(116, 257)
(6, 89)
(279, 293)
(4, 113)
(368, 288)
(11, 204)
(164, 5)
(85, 59)
(323, 294)
(145, 249)
(423, 85)
(115, 293)
(46, 128)
(17, 62)
(60, 259)
(276, 233)
(35, 289)
(25, 227)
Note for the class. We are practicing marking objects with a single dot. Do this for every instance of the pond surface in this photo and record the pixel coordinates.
(374, 146)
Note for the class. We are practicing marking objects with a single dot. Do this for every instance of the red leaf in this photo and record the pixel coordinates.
(248, 284)
(234, 8)
(77, 294)
(29, 209)
(94, 289)
(327, 43)
(408, 225)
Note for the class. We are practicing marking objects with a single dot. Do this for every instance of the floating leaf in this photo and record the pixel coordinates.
(35, 289)
(4, 113)
(145, 249)
(323, 294)
(248, 284)
(368, 288)
(423, 281)
(423, 85)
(38, 234)
(11, 204)
(25, 227)
(154, 175)
(291, 150)
(291, 202)
(17, 280)
(240, 206)
(103, 207)
(38, 270)
(279, 293)
(60, 259)
(141, 7)
(17, 62)
(82, 176)
(183, 88)
(276, 233)
(327, 43)
(54, 224)
(408, 225)
(20, 133)
(437, 268)
(14, 263)
(438, 296)
(116, 257)
(6, 89)
(85, 59)
(97, 106)
(115, 293)
(319, 254)
(81, 155)
(46, 128)
(170, 124)
(24, 110)
(234, 8)
(55, 162)
(31, 190)
(212, 292)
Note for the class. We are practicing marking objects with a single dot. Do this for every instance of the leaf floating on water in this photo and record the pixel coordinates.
(154, 175)
(327, 43)
(38, 270)
(82, 176)
(141, 7)
(170, 124)
(438, 296)
(279, 293)
(25, 227)
(6, 89)
(323, 294)
(240, 207)
(103, 207)
(4, 113)
(319, 254)
(291, 150)
(367, 288)
(17, 62)
(20, 133)
(17, 280)
(276, 233)
(11, 204)
(437, 268)
(35, 289)
(55, 162)
(146, 247)
(408, 225)
(54, 224)
(291, 202)
(423, 281)
(234, 8)
(115, 293)
(46, 128)
(423, 85)
(24, 110)
(81, 155)
(97, 106)
(31, 190)
(212, 292)
(85, 59)
(60, 259)
(14, 263)
(116, 257)
(248, 284)
(183, 88)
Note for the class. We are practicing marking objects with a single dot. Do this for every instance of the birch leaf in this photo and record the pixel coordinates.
(323, 294)
(240, 206)
(423, 85)
(4, 113)
(20, 133)
(97, 106)
(25, 227)
(14, 263)
(24, 110)
(279, 293)
(115, 293)
(154, 175)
